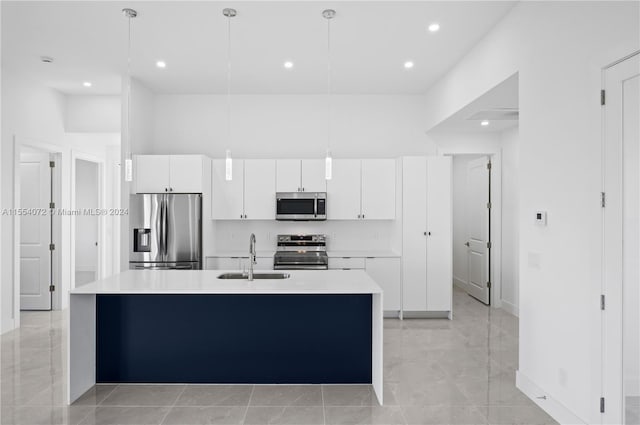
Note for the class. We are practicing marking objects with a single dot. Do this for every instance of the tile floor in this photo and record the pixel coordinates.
(436, 372)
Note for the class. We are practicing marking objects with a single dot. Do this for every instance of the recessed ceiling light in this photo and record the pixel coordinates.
(87, 84)
(434, 27)
(408, 64)
(484, 123)
(161, 64)
(288, 64)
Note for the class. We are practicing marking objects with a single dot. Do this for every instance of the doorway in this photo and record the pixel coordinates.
(621, 248)
(472, 225)
(87, 221)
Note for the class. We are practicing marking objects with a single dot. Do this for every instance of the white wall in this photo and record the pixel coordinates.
(35, 116)
(560, 267)
(291, 126)
(510, 219)
(92, 114)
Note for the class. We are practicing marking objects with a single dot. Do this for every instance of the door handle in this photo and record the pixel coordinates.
(466, 243)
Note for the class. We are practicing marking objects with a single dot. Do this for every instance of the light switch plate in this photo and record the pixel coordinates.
(541, 218)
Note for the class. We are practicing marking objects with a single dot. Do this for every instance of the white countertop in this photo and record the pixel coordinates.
(206, 282)
(331, 254)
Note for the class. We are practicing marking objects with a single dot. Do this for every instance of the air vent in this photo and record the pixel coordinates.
(505, 114)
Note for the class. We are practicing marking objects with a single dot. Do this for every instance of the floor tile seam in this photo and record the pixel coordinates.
(108, 395)
(164, 418)
(246, 410)
(324, 407)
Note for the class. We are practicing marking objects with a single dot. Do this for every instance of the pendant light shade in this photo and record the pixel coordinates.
(228, 162)
(128, 161)
(328, 14)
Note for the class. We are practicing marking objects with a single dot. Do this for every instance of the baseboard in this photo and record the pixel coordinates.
(391, 314)
(459, 283)
(553, 407)
(510, 308)
(425, 314)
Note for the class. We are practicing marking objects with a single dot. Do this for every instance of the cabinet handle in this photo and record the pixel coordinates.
(425, 233)
(359, 215)
(170, 189)
(240, 215)
(362, 215)
(166, 190)
(245, 216)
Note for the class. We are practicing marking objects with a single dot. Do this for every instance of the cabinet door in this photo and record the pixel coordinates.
(185, 173)
(386, 273)
(288, 175)
(223, 263)
(343, 190)
(227, 200)
(414, 244)
(260, 189)
(313, 175)
(152, 173)
(379, 189)
(439, 234)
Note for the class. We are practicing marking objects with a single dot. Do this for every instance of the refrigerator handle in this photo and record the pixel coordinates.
(164, 226)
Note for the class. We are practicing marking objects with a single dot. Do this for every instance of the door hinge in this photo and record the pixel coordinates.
(489, 285)
(489, 205)
(489, 245)
(488, 165)
(601, 404)
(52, 288)
(52, 164)
(602, 302)
(52, 247)
(52, 205)
(603, 199)
(603, 97)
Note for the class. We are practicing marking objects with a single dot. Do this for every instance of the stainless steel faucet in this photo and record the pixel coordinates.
(252, 254)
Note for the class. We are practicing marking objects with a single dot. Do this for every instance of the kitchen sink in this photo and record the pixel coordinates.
(255, 276)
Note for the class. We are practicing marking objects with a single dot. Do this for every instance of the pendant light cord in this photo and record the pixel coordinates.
(130, 156)
(328, 85)
(229, 80)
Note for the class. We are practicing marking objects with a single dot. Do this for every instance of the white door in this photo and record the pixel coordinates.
(621, 319)
(386, 273)
(227, 200)
(152, 173)
(379, 189)
(35, 232)
(260, 189)
(185, 173)
(477, 221)
(288, 175)
(343, 190)
(313, 175)
(439, 234)
(414, 234)
(86, 225)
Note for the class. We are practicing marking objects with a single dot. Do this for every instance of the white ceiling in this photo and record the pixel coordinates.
(503, 97)
(370, 42)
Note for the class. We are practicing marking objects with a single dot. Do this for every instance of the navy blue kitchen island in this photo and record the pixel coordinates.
(317, 327)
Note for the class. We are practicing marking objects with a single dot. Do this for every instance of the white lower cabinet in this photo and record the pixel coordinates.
(222, 263)
(346, 263)
(426, 234)
(386, 273)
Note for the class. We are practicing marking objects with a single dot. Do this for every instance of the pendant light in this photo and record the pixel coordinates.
(328, 14)
(128, 161)
(228, 162)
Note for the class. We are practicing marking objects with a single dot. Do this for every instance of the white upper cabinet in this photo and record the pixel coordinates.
(249, 195)
(169, 173)
(260, 189)
(185, 173)
(313, 175)
(288, 175)
(378, 189)
(151, 173)
(295, 175)
(228, 195)
(343, 190)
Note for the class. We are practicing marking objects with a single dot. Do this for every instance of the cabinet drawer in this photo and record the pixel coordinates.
(337, 263)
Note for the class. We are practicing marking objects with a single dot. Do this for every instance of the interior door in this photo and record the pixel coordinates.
(477, 221)
(621, 319)
(414, 234)
(35, 232)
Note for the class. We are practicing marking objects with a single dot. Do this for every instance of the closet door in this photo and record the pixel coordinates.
(439, 234)
(414, 231)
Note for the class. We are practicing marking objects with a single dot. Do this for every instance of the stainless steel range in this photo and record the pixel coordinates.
(300, 252)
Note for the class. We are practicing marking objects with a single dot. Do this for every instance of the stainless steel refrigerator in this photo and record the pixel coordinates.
(165, 231)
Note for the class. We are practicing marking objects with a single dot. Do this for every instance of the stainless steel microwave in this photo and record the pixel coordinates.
(301, 206)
